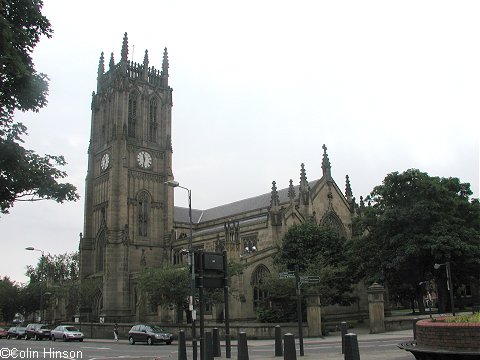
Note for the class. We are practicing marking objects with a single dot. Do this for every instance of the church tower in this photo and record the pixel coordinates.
(128, 209)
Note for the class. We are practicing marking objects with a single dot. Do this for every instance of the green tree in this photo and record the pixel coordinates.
(281, 303)
(414, 221)
(166, 285)
(24, 175)
(9, 294)
(318, 250)
(56, 275)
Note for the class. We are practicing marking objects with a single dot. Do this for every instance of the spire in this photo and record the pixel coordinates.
(274, 199)
(348, 189)
(101, 71)
(291, 190)
(304, 190)
(125, 48)
(164, 73)
(165, 63)
(326, 164)
(101, 65)
(112, 62)
(145, 66)
(303, 176)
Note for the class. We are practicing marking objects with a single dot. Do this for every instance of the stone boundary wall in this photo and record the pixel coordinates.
(448, 336)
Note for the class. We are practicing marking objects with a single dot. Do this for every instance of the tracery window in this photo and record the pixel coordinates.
(152, 131)
(143, 213)
(259, 295)
(332, 220)
(100, 261)
(132, 114)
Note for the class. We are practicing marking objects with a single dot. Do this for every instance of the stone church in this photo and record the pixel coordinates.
(130, 219)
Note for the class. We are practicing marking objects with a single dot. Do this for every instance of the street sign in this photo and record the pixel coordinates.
(287, 275)
(309, 279)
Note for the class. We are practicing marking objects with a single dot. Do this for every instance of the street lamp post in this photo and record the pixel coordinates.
(174, 184)
(449, 282)
(31, 248)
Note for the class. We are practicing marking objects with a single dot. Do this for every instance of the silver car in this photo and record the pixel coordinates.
(67, 333)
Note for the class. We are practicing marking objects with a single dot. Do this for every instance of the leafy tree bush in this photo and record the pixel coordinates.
(24, 175)
(414, 221)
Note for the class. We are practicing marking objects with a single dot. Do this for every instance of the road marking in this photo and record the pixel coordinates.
(96, 348)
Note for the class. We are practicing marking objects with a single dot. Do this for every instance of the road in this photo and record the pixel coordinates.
(258, 349)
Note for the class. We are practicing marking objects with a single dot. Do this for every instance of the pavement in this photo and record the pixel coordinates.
(264, 349)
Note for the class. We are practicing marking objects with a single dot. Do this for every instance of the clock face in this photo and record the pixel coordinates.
(105, 161)
(144, 159)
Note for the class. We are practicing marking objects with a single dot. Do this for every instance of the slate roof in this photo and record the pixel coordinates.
(180, 214)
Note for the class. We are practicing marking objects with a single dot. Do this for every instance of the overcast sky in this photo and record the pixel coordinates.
(259, 86)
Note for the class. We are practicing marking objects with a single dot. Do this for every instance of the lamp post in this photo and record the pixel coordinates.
(174, 184)
(31, 248)
(449, 282)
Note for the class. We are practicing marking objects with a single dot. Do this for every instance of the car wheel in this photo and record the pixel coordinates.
(131, 341)
(80, 340)
(65, 338)
(168, 342)
(149, 341)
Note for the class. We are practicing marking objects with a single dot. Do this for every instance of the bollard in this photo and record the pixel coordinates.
(343, 329)
(278, 341)
(351, 347)
(414, 327)
(208, 346)
(290, 352)
(216, 343)
(242, 346)
(182, 348)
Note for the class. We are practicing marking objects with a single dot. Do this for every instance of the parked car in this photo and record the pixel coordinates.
(150, 334)
(42, 332)
(66, 332)
(16, 332)
(37, 331)
(30, 330)
(3, 333)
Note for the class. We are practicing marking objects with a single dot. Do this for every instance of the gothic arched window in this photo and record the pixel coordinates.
(143, 213)
(100, 260)
(332, 220)
(153, 124)
(259, 295)
(132, 114)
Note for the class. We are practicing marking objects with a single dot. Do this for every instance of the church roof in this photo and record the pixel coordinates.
(180, 214)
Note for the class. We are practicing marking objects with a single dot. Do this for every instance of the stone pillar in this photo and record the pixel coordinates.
(376, 308)
(314, 315)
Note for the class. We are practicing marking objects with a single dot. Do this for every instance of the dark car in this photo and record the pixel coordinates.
(16, 332)
(150, 334)
(66, 333)
(42, 332)
(3, 333)
(30, 330)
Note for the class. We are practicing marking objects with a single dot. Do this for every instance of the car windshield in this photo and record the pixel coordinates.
(156, 329)
(71, 328)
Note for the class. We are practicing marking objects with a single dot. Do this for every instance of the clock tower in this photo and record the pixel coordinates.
(128, 209)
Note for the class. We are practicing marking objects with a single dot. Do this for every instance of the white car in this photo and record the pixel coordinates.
(67, 333)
